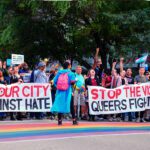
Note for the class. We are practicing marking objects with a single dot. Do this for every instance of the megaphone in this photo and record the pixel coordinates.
(141, 59)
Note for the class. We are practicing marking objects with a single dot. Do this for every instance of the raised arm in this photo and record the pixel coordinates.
(114, 65)
(121, 64)
(96, 58)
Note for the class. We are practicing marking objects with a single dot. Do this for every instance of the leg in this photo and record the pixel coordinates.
(59, 118)
(73, 111)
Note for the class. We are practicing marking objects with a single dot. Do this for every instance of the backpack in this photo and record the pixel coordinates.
(63, 82)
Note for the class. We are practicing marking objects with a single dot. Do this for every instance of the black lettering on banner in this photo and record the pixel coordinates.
(28, 104)
(19, 100)
(100, 105)
(111, 106)
(47, 104)
(105, 105)
(117, 105)
(94, 106)
(140, 102)
(148, 101)
(132, 103)
(5, 104)
(41, 101)
(124, 105)
(35, 106)
(12, 104)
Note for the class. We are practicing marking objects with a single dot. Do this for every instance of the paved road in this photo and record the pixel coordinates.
(117, 140)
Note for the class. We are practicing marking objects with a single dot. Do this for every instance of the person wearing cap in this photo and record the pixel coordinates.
(39, 74)
(40, 77)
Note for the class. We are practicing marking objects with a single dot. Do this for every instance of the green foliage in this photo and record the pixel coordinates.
(72, 29)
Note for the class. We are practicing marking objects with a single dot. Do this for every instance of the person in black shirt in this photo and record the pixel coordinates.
(16, 78)
(129, 76)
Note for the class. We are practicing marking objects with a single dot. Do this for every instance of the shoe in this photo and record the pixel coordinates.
(147, 119)
(59, 122)
(83, 118)
(20, 119)
(126, 119)
(74, 122)
(142, 120)
(12, 119)
(138, 120)
(110, 119)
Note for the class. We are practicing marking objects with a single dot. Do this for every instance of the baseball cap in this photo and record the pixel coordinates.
(41, 64)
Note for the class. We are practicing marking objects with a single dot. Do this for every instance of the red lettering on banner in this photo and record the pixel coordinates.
(118, 92)
(94, 92)
(31, 91)
(126, 88)
(45, 89)
(8, 92)
(2, 91)
(24, 91)
(15, 91)
(146, 90)
(132, 92)
(138, 94)
(102, 92)
(111, 94)
(38, 89)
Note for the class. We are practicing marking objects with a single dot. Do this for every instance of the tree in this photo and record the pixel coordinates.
(73, 29)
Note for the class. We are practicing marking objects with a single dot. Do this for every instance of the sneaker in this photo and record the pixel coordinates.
(74, 122)
(126, 119)
(147, 119)
(83, 118)
(142, 120)
(59, 122)
(110, 119)
(138, 120)
(12, 119)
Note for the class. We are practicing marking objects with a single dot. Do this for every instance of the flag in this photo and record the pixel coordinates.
(141, 59)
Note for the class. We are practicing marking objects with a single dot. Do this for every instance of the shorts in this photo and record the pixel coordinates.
(77, 96)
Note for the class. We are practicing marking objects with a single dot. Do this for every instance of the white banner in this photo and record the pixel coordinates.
(25, 97)
(129, 98)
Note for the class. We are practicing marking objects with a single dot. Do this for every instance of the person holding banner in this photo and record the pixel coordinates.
(16, 78)
(92, 81)
(2, 114)
(40, 77)
(79, 88)
(141, 78)
(64, 80)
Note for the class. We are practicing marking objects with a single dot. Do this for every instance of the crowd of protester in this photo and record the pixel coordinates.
(77, 91)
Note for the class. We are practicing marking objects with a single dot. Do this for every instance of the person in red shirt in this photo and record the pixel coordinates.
(92, 80)
(106, 79)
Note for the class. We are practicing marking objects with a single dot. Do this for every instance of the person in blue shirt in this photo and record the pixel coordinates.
(79, 88)
(63, 98)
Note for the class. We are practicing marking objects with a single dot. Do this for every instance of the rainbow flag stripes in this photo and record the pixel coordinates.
(34, 131)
